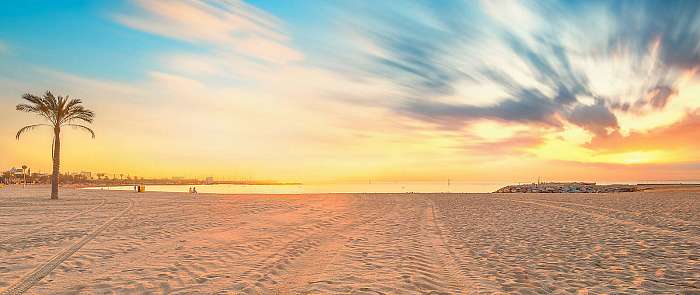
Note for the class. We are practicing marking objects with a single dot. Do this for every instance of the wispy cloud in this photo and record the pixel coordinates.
(680, 136)
(227, 25)
(551, 66)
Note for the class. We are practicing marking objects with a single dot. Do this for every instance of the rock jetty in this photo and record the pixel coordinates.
(567, 187)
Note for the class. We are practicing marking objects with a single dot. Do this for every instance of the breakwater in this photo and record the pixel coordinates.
(567, 187)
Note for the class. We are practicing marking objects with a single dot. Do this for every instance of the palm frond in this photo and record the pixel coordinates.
(78, 113)
(78, 126)
(61, 101)
(26, 129)
(72, 103)
(52, 107)
(37, 105)
(33, 99)
(58, 110)
(28, 108)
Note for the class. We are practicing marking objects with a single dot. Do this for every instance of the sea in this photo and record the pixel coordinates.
(369, 187)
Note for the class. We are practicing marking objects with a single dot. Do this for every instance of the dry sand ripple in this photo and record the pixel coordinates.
(396, 250)
(531, 247)
(9, 238)
(31, 278)
(170, 243)
(664, 222)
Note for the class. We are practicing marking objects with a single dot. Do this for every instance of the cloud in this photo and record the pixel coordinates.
(516, 144)
(431, 59)
(656, 97)
(527, 106)
(596, 118)
(417, 46)
(544, 65)
(553, 70)
(674, 26)
(227, 25)
(682, 135)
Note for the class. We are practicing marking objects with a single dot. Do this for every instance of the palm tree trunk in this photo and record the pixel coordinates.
(56, 162)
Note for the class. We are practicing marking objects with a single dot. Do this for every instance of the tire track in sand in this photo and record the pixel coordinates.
(635, 213)
(273, 267)
(266, 275)
(418, 260)
(316, 261)
(464, 268)
(625, 222)
(450, 259)
(38, 228)
(33, 277)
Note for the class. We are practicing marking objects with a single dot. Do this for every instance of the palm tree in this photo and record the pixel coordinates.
(59, 112)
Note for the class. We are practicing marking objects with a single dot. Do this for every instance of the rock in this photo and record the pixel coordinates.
(567, 187)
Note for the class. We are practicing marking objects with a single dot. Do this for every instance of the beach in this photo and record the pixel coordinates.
(107, 242)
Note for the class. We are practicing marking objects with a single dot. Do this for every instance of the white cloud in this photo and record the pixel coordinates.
(226, 25)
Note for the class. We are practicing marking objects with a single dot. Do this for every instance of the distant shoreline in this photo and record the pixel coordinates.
(87, 185)
(299, 188)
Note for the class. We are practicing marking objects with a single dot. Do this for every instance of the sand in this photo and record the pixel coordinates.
(107, 242)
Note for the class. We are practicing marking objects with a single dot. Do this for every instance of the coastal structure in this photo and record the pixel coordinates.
(567, 187)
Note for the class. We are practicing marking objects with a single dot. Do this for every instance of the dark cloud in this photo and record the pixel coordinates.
(596, 118)
(625, 107)
(415, 66)
(659, 96)
(673, 28)
(417, 50)
(529, 106)
(553, 70)
(656, 98)
(674, 24)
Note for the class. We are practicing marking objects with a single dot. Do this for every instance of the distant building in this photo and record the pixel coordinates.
(178, 178)
(85, 175)
(209, 180)
(16, 172)
(14, 175)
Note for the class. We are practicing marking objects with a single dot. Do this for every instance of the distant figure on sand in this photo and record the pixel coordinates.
(194, 190)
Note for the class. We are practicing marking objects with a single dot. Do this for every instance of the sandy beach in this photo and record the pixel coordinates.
(111, 242)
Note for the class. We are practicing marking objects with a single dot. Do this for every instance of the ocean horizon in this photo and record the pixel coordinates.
(374, 187)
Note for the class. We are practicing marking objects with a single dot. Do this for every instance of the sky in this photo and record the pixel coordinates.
(346, 91)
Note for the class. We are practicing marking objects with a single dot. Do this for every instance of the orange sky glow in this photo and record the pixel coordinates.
(241, 91)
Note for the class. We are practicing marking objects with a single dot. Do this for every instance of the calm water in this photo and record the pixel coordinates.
(378, 187)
